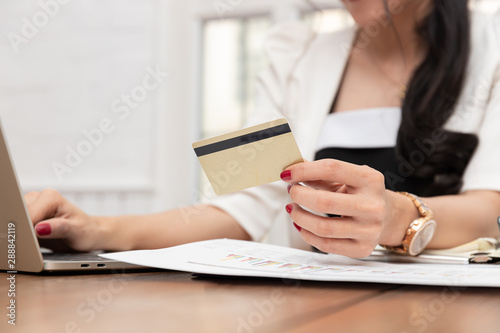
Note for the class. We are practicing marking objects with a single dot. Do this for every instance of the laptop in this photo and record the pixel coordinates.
(19, 248)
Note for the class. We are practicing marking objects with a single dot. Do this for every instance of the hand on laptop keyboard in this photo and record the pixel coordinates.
(59, 224)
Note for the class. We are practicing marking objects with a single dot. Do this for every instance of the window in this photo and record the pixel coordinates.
(232, 58)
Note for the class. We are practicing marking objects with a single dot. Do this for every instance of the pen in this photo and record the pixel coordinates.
(386, 256)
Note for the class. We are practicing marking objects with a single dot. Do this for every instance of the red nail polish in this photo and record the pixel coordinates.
(286, 175)
(288, 208)
(297, 227)
(43, 229)
(288, 188)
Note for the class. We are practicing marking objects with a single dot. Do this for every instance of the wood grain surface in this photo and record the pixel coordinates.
(178, 302)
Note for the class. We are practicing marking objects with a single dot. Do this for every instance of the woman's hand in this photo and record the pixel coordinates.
(358, 194)
(59, 224)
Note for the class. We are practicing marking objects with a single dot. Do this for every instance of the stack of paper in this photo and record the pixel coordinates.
(242, 258)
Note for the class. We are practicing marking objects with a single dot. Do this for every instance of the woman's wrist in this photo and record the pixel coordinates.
(403, 213)
(110, 236)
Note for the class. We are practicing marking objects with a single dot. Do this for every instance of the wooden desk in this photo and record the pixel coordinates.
(177, 302)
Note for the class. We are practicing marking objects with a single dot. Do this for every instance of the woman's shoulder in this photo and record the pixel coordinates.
(485, 28)
(485, 46)
(290, 44)
(290, 36)
(482, 75)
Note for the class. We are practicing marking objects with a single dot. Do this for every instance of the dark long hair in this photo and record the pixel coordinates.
(432, 96)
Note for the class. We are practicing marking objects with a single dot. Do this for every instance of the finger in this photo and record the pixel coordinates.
(327, 202)
(329, 227)
(45, 206)
(333, 170)
(346, 247)
(53, 228)
(326, 185)
(31, 197)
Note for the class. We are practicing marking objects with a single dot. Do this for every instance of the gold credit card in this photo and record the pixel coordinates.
(248, 157)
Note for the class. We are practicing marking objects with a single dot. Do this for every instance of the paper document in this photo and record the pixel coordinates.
(242, 258)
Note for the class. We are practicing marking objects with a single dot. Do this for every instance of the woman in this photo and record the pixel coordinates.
(413, 97)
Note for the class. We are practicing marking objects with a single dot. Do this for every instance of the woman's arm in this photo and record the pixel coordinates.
(464, 217)
(460, 218)
(170, 228)
(60, 224)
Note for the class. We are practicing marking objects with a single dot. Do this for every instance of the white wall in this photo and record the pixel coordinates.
(69, 74)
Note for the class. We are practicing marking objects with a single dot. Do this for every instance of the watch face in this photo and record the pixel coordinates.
(422, 237)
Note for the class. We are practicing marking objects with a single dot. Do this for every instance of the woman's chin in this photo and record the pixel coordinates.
(366, 12)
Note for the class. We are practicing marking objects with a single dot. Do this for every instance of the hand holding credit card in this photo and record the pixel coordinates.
(248, 157)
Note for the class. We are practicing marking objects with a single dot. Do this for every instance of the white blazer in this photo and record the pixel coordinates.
(301, 82)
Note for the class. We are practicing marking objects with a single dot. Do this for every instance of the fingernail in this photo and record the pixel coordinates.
(288, 188)
(43, 229)
(297, 227)
(288, 208)
(286, 175)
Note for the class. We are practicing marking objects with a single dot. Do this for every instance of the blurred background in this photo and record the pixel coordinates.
(101, 99)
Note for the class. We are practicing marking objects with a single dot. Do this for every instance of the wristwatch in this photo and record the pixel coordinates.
(420, 231)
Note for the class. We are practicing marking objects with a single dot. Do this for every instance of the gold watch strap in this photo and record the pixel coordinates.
(425, 216)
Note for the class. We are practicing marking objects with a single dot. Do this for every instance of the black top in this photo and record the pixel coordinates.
(397, 173)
